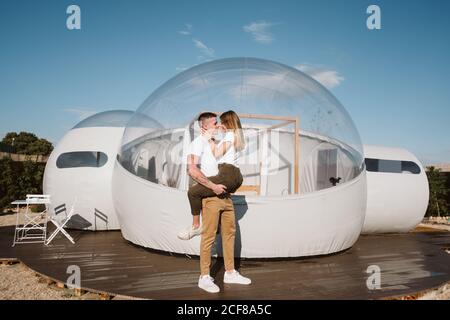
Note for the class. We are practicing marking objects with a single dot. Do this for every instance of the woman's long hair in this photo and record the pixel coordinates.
(231, 120)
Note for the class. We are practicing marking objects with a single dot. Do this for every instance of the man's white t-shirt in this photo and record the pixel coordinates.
(208, 163)
(230, 156)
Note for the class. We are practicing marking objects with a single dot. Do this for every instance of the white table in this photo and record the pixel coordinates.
(31, 227)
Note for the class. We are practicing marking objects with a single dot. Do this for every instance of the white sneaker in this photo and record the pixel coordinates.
(207, 283)
(235, 277)
(189, 233)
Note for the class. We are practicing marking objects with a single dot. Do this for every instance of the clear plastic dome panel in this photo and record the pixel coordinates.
(266, 95)
(113, 118)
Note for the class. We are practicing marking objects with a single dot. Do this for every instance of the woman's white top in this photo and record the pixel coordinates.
(230, 156)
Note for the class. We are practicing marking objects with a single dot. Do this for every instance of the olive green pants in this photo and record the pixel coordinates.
(229, 175)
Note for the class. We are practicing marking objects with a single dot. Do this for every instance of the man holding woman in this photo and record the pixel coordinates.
(217, 178)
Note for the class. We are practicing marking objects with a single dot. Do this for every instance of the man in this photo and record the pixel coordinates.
(214, 209)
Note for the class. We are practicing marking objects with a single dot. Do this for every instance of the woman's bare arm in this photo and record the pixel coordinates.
(219, 150)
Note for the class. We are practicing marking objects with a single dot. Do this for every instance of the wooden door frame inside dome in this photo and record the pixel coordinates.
(284, 121)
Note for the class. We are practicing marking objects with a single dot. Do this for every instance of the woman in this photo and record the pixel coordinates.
(227, 153)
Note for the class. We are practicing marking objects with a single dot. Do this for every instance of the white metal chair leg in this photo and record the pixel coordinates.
(53, 235)
(59, 228)
(67, 236)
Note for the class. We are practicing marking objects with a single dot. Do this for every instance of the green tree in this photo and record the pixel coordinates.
(17, 179)
(9, 189)
(41, 147)
(437, 204)
(27, 143)
(30, 178)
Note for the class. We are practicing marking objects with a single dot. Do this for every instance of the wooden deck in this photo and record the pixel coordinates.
(409, 263)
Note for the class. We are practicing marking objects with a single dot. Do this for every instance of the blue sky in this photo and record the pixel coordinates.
(394, 82)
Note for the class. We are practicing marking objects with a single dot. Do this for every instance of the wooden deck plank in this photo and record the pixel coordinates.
(409, 263)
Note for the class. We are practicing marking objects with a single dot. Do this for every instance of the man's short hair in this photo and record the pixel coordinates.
(206, 115)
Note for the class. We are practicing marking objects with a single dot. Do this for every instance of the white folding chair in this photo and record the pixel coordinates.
(60, 224)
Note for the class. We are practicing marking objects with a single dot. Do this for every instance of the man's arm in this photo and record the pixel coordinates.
(195, 173)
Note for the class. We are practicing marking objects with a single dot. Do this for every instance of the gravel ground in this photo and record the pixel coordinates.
(442, 293)
(7, 219)
(17, 282)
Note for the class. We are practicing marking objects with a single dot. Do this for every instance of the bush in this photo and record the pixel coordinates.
(437, 205)
(19, 179)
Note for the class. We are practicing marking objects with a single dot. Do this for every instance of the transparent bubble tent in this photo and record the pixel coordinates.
(302, 153)
(273, 101)
(308, 187)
